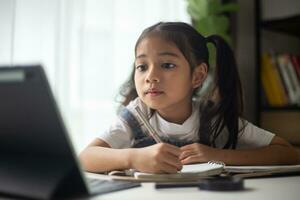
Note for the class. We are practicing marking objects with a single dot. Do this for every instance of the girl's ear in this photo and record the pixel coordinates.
(199, 75)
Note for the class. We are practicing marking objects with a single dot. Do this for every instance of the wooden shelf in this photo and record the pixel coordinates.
(275, 109)
(289, 25)
(283, 123)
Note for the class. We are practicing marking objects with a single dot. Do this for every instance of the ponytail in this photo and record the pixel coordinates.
(224, 113)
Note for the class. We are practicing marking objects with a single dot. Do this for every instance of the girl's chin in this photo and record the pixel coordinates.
(156, 105)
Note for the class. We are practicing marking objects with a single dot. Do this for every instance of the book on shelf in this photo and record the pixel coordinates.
(285, 78)
(292, 81)
(296, 63)
(280, 77)
(271, 82)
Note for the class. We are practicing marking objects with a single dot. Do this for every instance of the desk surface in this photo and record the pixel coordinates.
(259, 188)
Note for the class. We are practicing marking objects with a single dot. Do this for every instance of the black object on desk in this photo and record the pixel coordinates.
(214, 184)
(164, 185)
(222, 184)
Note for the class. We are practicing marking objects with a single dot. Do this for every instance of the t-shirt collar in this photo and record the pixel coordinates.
(173, 128)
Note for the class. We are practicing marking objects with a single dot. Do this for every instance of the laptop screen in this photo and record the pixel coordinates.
(34, 142)
(29, 119)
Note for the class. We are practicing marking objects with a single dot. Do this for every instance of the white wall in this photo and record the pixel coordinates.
(6, 30)
(86, 47)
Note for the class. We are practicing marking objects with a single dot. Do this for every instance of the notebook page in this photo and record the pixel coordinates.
(202, 167)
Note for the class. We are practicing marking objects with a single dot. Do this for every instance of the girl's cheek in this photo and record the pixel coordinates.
(139, 80)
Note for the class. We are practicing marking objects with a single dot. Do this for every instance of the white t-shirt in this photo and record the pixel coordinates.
(119, 135)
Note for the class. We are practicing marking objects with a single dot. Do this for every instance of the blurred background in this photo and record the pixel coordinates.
(87, 50)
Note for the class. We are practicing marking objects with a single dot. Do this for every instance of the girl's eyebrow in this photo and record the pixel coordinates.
(141, 56)
(160, 54)
(168, 54)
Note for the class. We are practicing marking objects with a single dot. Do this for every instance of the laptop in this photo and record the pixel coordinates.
(37, 157)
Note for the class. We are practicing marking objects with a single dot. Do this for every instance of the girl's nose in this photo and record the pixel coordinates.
(153, 76)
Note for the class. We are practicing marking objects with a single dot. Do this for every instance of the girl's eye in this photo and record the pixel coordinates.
(141, 67)
(168, 65)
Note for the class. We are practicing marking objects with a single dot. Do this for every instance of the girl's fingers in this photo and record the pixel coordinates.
(185, 154)
(188, 147)
(190, 160)
(172, 160)
(173, 150)
(169, 169)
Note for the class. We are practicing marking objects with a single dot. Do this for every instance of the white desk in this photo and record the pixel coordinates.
(281, 188)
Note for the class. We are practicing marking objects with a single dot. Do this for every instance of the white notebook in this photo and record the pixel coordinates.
(188, 172)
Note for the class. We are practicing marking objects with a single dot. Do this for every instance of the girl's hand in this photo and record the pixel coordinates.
(196, 153)
(158, 158)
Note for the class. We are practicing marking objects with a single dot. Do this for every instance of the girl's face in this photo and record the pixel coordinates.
(163, 77)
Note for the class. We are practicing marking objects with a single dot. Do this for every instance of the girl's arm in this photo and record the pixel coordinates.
(276, 153)
(99, 157)
(159, 158)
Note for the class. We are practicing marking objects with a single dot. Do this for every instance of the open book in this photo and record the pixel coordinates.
(188, 173)
(264, 168)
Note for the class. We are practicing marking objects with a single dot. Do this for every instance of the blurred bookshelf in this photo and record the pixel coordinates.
(289, 25)
(278, 72)
(285, 108)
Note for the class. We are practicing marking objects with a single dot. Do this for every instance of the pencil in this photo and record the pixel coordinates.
(149, 128)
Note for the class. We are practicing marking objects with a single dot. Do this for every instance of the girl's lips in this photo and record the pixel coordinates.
(154, 92)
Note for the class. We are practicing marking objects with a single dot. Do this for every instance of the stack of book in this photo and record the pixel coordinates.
(280, 77)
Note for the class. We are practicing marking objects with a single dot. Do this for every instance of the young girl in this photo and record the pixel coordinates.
(171, 65)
